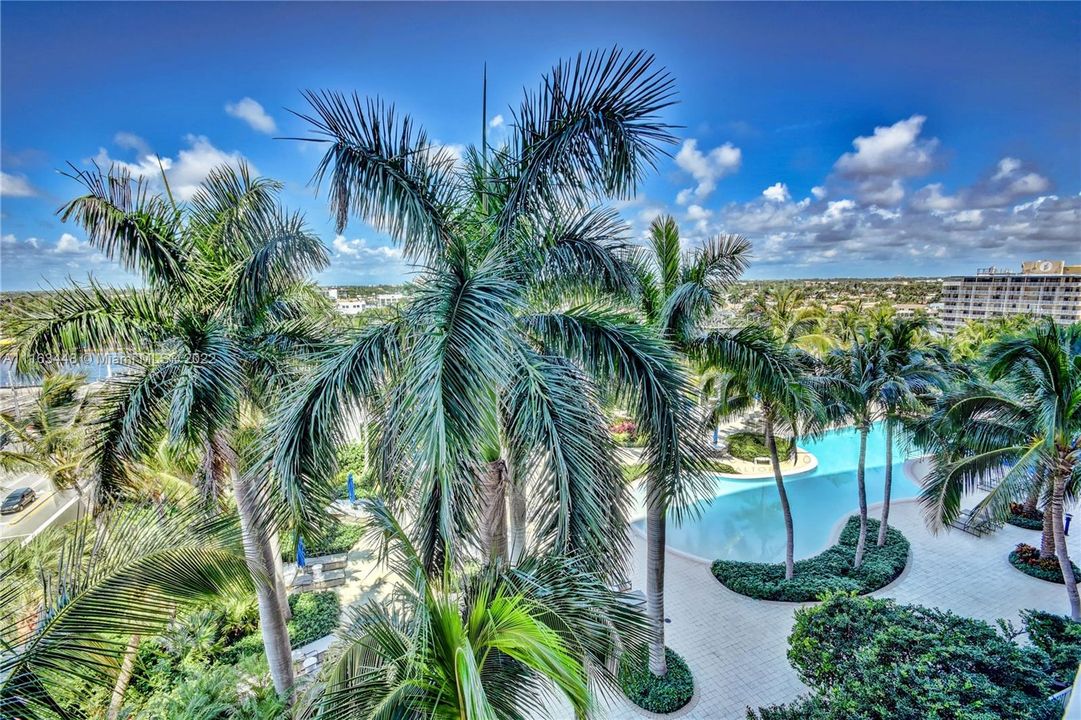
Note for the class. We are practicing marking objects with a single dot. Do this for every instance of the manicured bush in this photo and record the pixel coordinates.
(315, 615)
(748, 446)
(1022, 519)
(338, 538)
(351, 459)
(1060, 638)
(723, 468)
(1027, 559)
(874, 659)
(829, 571)
(649, 692)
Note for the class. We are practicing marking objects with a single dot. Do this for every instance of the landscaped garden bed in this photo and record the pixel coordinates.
(338, 538)
(829, 571)
(315, 615)
(748, 446)
(1022, 519)
(1027, 559)
(649, 692)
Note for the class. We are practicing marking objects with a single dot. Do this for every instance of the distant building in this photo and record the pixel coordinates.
(1042, 288)
(351, 307)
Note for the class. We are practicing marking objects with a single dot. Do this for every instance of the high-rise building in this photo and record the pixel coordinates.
(1043, 288)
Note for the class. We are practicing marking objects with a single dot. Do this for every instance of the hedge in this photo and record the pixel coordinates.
(1060, 638)
(829, 571)
(649, 692)
(315, 615)
(875, 659)
(1027, 559)
(339, 538)
(748, 446)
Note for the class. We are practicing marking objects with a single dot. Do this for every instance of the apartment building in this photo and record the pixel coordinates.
(1042, 288)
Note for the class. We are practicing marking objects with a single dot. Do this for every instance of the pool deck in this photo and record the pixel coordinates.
(736, 646)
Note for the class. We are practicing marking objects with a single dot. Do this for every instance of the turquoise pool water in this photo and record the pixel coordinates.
(744, 521)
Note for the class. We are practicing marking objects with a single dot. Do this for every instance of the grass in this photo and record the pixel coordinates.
(748, 446)
(829, 571)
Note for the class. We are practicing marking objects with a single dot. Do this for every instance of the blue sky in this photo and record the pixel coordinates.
(843, 139)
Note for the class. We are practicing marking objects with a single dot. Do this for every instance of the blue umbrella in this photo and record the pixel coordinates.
(351, 488)
(302, 561)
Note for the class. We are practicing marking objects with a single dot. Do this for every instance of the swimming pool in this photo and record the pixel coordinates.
(744, 521)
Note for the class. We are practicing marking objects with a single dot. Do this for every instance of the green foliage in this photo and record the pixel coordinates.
(1060, 638)
(748, 446)
(721, 467)
(1027, 559)
(830, 571)
(804, 708)
(352, 458)
(213, 692)
(1022, 519)
(873, 659)
(315, 615)
(656, 694)
(340, 537)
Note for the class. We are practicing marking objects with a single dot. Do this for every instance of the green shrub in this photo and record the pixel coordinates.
(873, 659)
(722, 468)
(805, 708)
(829, 571)
(1027, 559)
(748, 446)
(351, 459)
(338, 538)
(1060, 638)
(315, 615)
(649, 692)
(1022, 519)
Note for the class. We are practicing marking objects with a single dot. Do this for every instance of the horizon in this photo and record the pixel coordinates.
(935, 139)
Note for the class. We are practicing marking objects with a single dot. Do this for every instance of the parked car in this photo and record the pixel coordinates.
(18, 500)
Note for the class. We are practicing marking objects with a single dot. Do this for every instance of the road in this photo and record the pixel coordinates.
(47, 504)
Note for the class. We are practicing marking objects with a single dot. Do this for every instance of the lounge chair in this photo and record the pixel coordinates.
(978, 524)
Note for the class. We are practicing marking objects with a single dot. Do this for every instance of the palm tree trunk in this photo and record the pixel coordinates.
(1061, 551)
(127, 668)
(655, 542)
(786, 509)
(279, 576)
(493, 516)
(861, 486)
(1032, 499)
(887, 485)
(1047, 540)
(517, 515)
(279, 653)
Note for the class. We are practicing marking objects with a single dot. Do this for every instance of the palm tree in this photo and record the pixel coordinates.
(679, 291)
(481, 644)
(1024, 424)
(208, 342)
(760, 370)
(795, 321)
(487, 380)
(911, 370)
(67, 615)
(49, 439)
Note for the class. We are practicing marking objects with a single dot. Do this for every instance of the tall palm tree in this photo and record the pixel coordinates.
(68, 604)
(1025, 423)
(485, 643)
(208, 342)
(679, 291)
(487, 379)
(761, 370)
(795, 321)
(911, 372)
(49, 438)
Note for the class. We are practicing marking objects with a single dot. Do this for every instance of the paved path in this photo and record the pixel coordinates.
(737, 646)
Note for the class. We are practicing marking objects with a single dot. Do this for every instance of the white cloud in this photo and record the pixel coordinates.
(68, 244)
(819, 192)
(495, 122)
(892, 151)
(252, 112)
(15, 186)
(706, 168)
(359, 248)
(777, 192)
(1006, 166)
(131, 141)
(185, 172)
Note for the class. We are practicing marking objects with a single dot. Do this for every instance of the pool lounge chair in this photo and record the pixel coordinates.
(978, 524)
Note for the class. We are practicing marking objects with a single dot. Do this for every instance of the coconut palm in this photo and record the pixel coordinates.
(679, 291)
(68, 605)
(49, 438)
(208, 341)
(910, 372)
(487, 380)
(1026, 423)
(760, 370)
(484, 643)
(795, 320)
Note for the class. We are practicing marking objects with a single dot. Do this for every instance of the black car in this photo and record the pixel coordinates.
(17, 501)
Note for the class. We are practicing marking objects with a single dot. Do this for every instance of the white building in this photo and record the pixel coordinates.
(1042, 288)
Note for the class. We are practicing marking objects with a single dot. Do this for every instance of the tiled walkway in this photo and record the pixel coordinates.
(736, 646)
